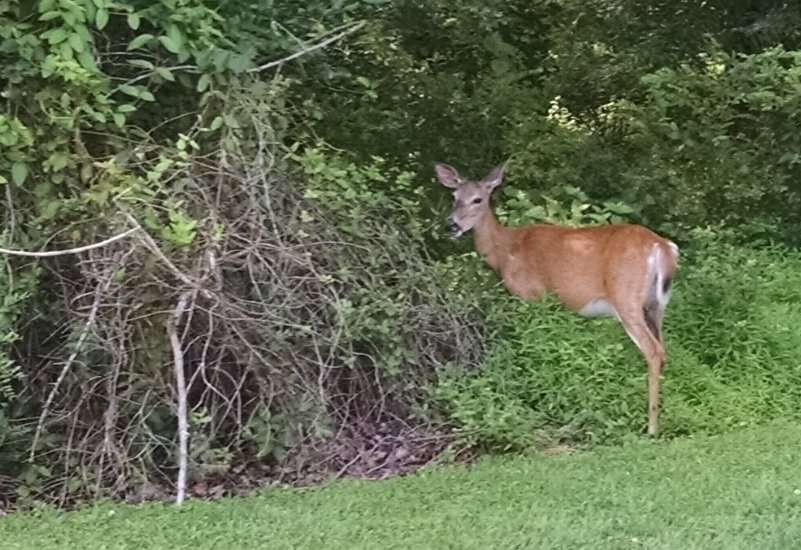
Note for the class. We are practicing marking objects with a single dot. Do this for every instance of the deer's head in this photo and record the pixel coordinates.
(470, 198)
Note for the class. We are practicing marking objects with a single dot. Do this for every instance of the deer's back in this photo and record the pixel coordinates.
(578, 264)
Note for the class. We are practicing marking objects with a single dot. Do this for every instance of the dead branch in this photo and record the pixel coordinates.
(350, 28)
(180, 389)
(100, 290)
(67, 251)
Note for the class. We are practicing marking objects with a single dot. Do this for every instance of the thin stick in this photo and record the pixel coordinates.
(12, 217)
(180, 388)
(323, 44)
(150, 74)
(99, 292)
(69, 250)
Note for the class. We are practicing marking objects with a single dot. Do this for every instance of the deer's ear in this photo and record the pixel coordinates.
(495, 177)
(448, 176)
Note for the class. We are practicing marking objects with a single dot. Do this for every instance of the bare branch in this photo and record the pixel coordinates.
(150, 74)
(180, 389)
(67, 251)
(349, 29)
(99, 292)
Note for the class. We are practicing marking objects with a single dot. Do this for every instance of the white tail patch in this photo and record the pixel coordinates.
(675, 249)
(656, 268)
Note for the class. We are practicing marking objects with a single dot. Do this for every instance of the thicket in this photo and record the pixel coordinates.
(282, 281)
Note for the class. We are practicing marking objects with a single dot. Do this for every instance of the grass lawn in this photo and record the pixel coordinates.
(741, 490)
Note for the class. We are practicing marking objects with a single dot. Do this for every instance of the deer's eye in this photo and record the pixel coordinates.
(477, 200)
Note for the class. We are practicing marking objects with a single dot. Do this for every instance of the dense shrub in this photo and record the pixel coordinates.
(285, 288)
(710, 143)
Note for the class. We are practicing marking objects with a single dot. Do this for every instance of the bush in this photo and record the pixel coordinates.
(734, 358)
(316, 326)
(298, 300)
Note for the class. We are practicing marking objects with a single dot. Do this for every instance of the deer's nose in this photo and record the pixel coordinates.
(453, 226)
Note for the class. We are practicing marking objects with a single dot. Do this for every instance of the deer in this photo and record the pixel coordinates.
(617, 270)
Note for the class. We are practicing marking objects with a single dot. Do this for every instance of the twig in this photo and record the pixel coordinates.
(348, 30)
(12, 217)
(70, 250)
(180, 388)
(99, 291)
(149, 74)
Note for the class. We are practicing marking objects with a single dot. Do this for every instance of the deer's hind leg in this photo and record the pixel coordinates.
(639, 328)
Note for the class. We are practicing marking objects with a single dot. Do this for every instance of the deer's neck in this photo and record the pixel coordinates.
(492, 240)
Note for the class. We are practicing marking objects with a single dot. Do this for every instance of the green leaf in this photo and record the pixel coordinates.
(141, 63)
(239, 63)
(90, 11)
(101, 18)
(126, 108)
(203, 82)
(175, 34)
(170, 44)
(216, 123)
(19, 172)
(66, 50)
(49, 209)
(119, 119)
(130, 90)
(139, 41)
(47, 16)
(74, 484)
(55, 36)
(133, 20)
(76, 42)
(166, 74)
(83, 32)
(220, 58)
(231, 121)
(87, 61)
(58, 161)
(146, 96)
(46, 5)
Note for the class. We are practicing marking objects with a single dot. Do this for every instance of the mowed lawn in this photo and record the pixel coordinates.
(741, 490)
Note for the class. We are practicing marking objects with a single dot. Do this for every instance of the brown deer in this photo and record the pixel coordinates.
(619, 270)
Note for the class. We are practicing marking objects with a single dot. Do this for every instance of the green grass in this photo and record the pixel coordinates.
(740, 490)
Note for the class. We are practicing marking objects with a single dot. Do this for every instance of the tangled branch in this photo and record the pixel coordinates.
(294, 349)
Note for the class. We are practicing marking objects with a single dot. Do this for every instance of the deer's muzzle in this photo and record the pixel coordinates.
(456, 229)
